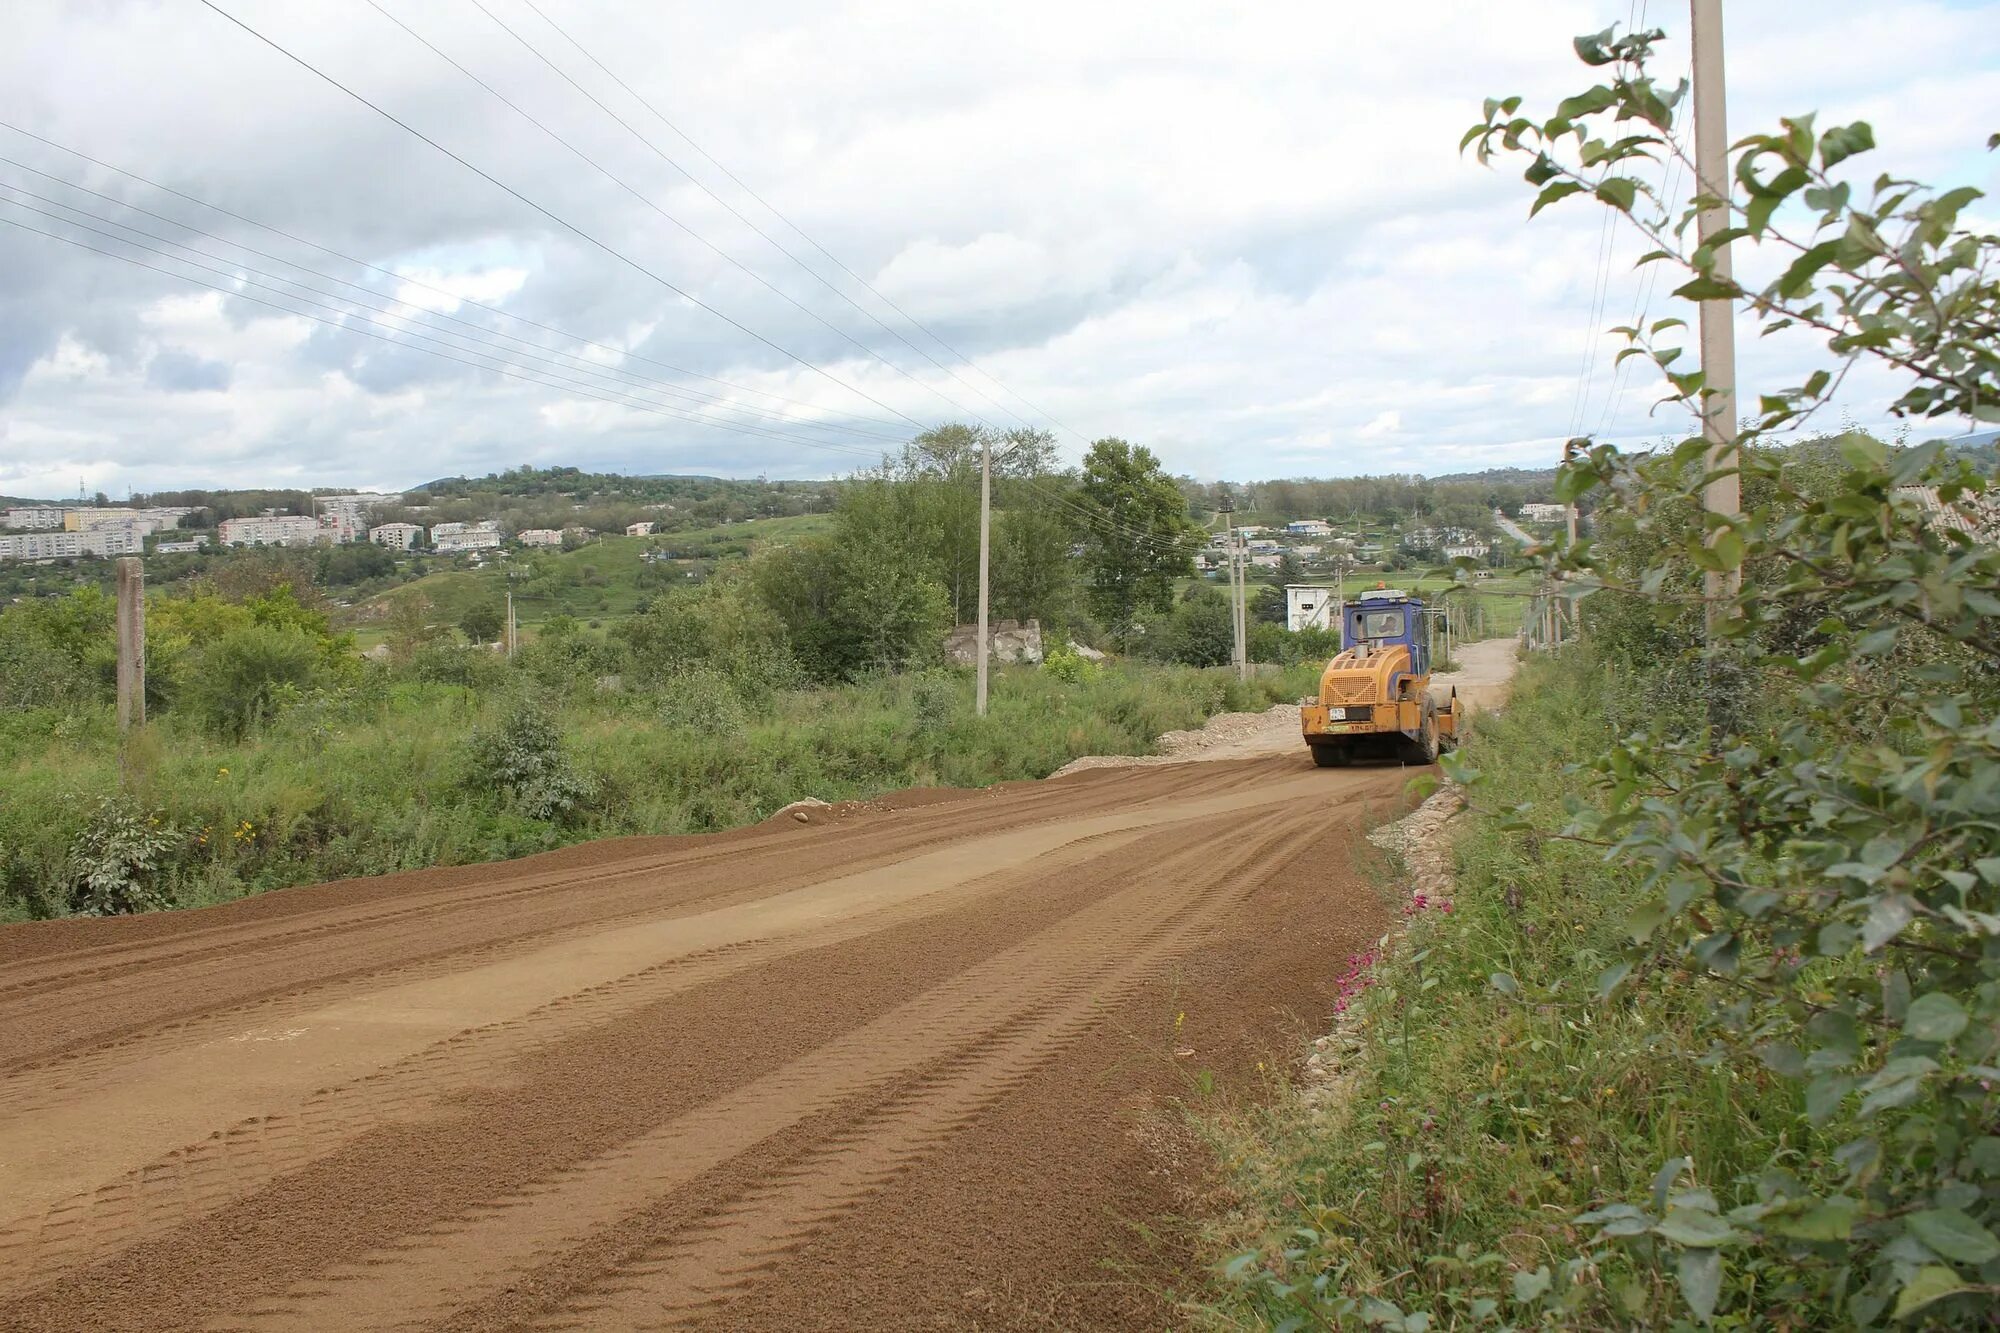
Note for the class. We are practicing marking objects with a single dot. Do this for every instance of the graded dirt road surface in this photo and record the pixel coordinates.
(906, 1065)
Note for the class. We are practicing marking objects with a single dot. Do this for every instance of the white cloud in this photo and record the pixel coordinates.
(1241, 234)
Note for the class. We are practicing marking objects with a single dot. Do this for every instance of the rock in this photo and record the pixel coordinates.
(1008, 641)
(798, 809)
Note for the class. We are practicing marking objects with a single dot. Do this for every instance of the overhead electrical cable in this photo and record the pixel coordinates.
(480, 334)
(408, 279)
(479, 347)
(773, 210)
(561, 221)
(510, 369)
(733, 211)
(1110, 524)
(687, 230)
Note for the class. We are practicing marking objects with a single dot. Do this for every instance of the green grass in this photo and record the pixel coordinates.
(1474, 1123)
(386, 778)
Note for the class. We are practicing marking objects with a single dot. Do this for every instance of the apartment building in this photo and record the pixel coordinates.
(539, 537)
(68, 545)
(273, 530)
(397, 536)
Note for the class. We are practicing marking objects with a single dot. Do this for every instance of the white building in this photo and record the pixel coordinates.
(272, 530)
(1544, 513)
(34, 518)
(1309, 527)
(1308, 606)
(539, 537)
(178, 548)
(641, 529)
(449, 529)
(1468, 551)
(474, 539)
(399, 536)
(69, 545)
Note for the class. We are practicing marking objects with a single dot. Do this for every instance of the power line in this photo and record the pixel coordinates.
(733, 211)
(561, 221)
(481, 349)
(796, 229)
(690, 232)
(480, 334)
(501, 369)
(391, 273)
(1122, 530)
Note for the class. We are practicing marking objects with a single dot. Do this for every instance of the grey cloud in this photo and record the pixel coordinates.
(180, 372)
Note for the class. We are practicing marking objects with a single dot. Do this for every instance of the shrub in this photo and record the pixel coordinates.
(120, 861)
(524, 754)
(242, 677)
(1071, 668)
(933, 702)
(702, 700)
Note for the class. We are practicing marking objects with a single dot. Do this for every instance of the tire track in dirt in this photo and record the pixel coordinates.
(64, 1008)
(1059, 975)
(244, 1158)
(659, 1133)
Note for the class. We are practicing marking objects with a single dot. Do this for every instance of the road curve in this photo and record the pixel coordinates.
(903, 1065)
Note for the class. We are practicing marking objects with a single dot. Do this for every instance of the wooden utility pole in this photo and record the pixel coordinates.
(985, 547)
(1718, 328)
(131, 644)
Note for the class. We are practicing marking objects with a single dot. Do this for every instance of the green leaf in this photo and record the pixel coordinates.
(1645, 921)
(1954, 1235)
(1728, 548)
(1935, 1016)
(1619, 192)
(1832, 1219)
(1504, 983)
(1531, 1286)
(1928, 1285)
(1706, 288)
(1586, 103)
(1553, 192)
(1797, 279)
(1825, 1094)
(1844, 141)
(1700, 1277)
(1887, 917)
(1693, 1227)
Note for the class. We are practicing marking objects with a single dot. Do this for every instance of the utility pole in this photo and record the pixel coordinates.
(985, 546)
(512, 633)
(131, 644)
(1718, 329)
(1238, 655)
(1243, 589)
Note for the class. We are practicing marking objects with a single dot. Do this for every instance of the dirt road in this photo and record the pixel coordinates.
(910, 1065)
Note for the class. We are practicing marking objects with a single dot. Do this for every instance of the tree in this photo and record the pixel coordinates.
(409, 625)
(1136, 534)
(1815, 874)
(483, 621)
(1287, 570)
(1034, 574)
(1202, 632)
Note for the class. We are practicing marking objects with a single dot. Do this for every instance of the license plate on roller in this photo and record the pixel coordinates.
(1336, 714)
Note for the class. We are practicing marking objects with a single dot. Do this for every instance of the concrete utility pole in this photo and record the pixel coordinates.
(511, 632)
(1239, 623)
(985, 547)
(131, 644)
(1718, 327)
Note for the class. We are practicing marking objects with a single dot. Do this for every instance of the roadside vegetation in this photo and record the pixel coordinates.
(276, 754)
(1709, 1033)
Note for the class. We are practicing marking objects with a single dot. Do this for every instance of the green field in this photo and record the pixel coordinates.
(607, 579)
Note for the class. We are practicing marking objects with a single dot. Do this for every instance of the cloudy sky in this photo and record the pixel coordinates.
(1241, 234)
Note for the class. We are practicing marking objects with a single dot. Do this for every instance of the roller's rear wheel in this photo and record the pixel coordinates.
(1332, 756)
